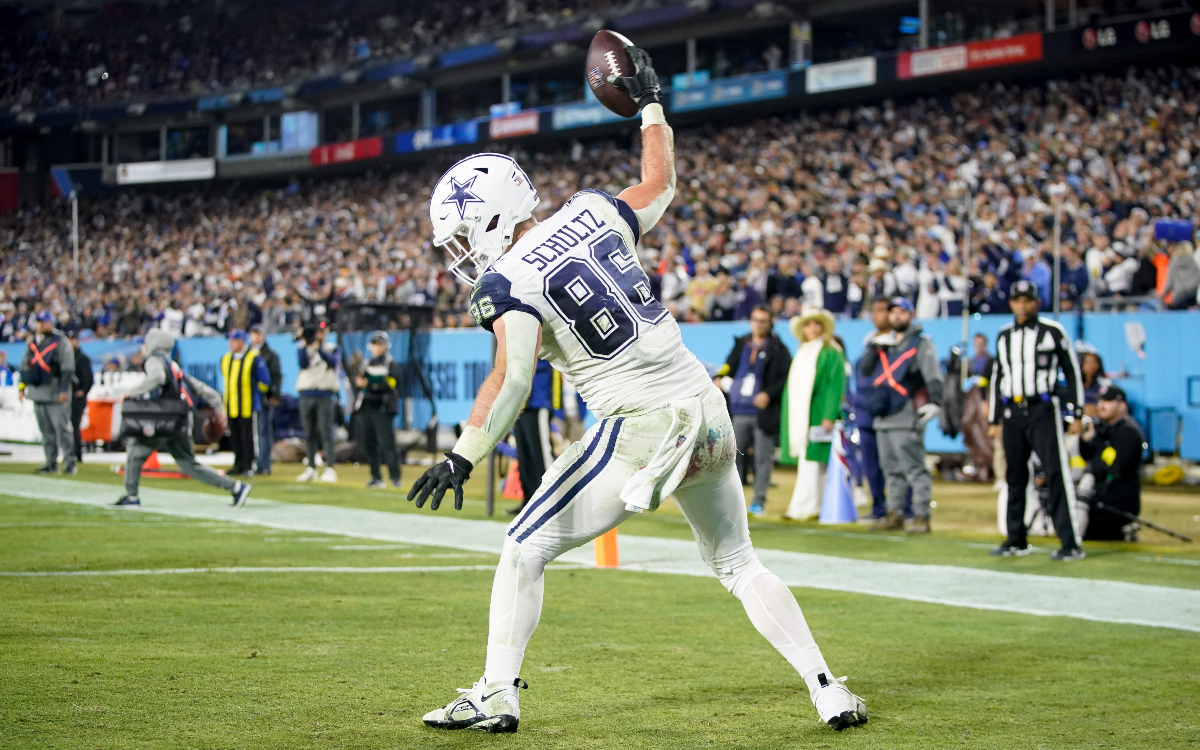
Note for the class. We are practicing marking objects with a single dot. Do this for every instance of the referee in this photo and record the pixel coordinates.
(1023, 397)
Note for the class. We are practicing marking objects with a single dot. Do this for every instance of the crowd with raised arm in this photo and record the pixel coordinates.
(832, 209)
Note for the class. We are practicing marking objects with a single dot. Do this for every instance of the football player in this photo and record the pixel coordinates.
(570, 290)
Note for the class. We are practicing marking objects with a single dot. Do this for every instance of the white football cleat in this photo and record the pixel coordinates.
(491, 707)
(307, 475)
(838, 707)
(329, 475)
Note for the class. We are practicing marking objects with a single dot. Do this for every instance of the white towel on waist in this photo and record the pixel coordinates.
(646, 488)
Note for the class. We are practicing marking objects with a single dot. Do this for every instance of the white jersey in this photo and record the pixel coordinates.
(578, 273)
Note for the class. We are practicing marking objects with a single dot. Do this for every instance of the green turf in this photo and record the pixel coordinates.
(621, 660)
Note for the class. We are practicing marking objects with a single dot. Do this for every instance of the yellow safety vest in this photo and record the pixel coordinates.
(239, 376)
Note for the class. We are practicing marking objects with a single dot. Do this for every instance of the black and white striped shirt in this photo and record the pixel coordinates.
(1028, 358)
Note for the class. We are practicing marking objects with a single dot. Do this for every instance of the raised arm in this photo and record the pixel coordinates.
(649, 200)
(497, 405)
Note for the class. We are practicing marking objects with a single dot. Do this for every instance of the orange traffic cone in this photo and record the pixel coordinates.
(512, 484)
(606, 549)
(152, 463)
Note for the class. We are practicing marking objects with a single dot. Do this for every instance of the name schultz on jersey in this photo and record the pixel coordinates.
(568, 236)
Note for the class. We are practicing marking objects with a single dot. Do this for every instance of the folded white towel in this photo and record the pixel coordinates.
(646, 488)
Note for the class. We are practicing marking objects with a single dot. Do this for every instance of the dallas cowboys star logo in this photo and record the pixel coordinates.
(461, 195)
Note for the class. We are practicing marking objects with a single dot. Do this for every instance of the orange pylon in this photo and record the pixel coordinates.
(606, 549)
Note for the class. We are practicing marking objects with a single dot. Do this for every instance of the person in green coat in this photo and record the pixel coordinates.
(813, 402)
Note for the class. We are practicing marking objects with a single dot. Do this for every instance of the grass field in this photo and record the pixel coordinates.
(290, 659)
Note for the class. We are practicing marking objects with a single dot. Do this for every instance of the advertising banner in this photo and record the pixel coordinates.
(581, 115)
(166, 171)
(468, 55)
(835, 76)
(440, 137)
(338, 153)
(970, 56)
(523, 123)
(729, 91)
(1177, 27)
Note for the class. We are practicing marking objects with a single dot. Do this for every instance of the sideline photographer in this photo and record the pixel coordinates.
(1112, 445)
(379, 403)
(166, 382)
(317, 386)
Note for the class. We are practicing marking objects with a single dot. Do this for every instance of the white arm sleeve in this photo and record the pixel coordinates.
(647, 217)
(520, 360)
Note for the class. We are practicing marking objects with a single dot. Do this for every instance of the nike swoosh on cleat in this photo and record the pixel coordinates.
(484, 698)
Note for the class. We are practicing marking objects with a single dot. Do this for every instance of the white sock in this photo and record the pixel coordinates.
(515, 610)
(774, 612)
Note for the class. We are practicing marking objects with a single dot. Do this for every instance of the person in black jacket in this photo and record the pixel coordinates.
(266, 416)
(1113, 447)
(379, 406)
(79, 389)
(754, 376)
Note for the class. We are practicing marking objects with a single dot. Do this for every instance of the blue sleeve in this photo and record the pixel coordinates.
(329, 357)
(261, 373)
(302, 355)
(622, 208)
(492, 297)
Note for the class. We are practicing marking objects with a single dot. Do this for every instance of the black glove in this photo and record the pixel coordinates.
(451, 473)
(642, 86)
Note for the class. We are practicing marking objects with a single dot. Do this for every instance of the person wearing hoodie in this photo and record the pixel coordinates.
(164, 379)
(317, 385)
(47, 374)
(903, 366)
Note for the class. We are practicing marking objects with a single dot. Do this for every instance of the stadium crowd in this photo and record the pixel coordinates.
(830, 209)
(181, 47)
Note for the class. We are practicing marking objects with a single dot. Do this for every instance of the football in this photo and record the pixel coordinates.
(607, 56)
(214, 428)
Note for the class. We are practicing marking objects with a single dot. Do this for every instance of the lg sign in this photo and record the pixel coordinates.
(1134, 33)
(1146, 31)
(1093, 38)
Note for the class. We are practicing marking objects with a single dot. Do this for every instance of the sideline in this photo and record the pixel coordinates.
(178, 571)
(1087, 599)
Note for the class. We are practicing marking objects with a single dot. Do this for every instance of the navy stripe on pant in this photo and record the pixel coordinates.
(570, 494)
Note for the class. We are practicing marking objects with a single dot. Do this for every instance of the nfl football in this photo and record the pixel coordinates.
(214, 428)
(607, 56)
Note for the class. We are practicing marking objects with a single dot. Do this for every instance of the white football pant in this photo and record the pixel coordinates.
(579, 499)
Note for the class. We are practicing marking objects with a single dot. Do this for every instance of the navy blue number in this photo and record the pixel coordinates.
(597, 317)
(622, 267)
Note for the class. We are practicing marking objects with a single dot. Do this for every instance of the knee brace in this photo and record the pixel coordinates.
(738, 569)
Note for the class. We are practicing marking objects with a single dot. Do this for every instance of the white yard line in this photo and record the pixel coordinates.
(1088, 599)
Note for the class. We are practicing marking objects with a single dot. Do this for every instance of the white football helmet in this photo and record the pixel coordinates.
(479, 201)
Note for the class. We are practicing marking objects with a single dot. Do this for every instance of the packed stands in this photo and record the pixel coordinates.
(178, 47)
(770, 210)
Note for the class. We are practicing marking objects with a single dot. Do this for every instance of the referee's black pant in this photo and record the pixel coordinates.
(241, 439)
(532, 431)
(1037, 426)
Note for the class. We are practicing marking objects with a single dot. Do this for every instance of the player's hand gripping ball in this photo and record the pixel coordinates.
(620, 74)
(450, 474)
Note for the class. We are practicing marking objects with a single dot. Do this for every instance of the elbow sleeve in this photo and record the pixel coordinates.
(647, 217)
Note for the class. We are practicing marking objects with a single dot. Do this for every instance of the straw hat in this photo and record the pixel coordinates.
(812, 313)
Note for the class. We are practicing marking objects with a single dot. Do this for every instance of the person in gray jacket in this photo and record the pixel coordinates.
(47, 373)
(903, 368)
(169, 381)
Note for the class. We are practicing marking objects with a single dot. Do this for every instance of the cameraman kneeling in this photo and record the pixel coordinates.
(1113, 447)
